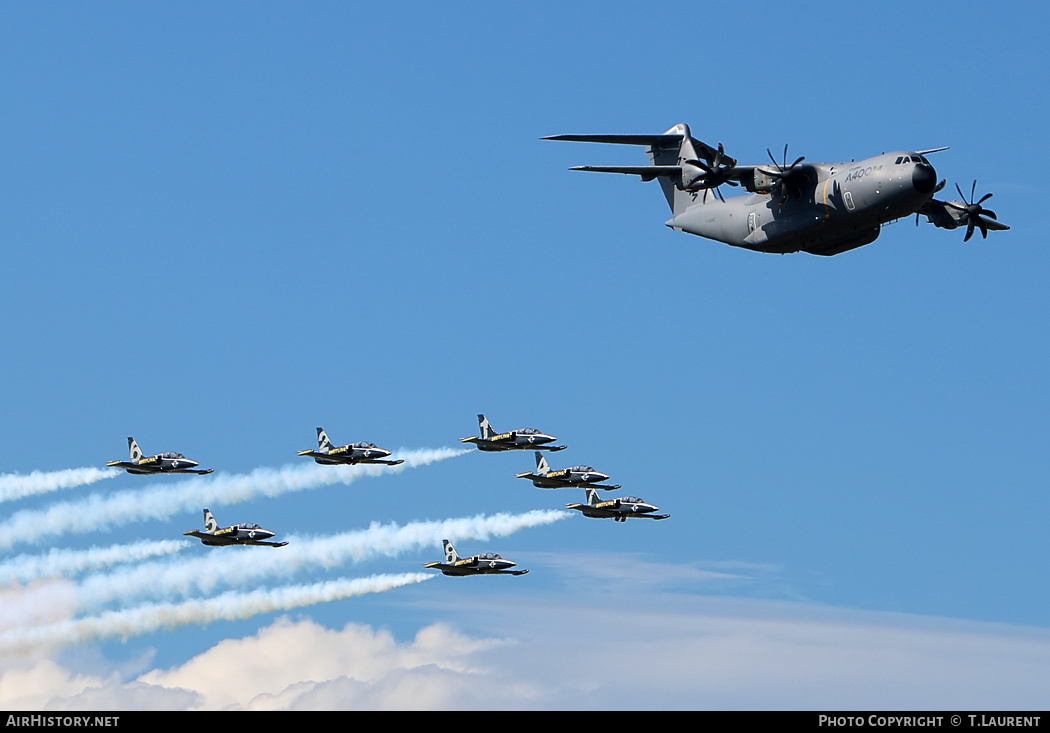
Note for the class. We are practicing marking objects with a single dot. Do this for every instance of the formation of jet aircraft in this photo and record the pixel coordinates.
(617, 509)
(486, 564)
(574, 477)
(160, 463)
(520, 439)
(584, 477)
(820, 208)
(351, 454)
(239, 534)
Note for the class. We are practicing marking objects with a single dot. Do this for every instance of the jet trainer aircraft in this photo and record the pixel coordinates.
(239, 534)
(160, 463)
(618, 509)
(487, 564)
(823, 209)
(354, 453)
(576, 477)
(520, 439)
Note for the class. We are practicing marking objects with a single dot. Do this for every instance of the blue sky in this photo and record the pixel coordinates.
(226, 225)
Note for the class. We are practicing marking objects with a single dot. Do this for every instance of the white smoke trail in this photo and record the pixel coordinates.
(230, 606)
(64, 563)
(96, 511)
(227, 566)
(17, 486)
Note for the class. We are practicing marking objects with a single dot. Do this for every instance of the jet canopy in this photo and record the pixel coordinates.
(172, 455)
(248, 525)
(489, 556)
(581, 469)
(364, 444)
(529, 431)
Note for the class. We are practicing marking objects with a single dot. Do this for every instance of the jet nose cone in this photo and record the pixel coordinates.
(924, 178)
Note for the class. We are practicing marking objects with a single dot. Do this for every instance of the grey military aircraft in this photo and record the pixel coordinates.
(354, 453)
(823, 209)
(618, 509)
(239, 534)
(487, 564)
(575, 477)
(520, 439)
(160, 463)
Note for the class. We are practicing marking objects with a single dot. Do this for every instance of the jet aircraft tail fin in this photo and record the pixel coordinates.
(592, 497)
(323, 443)
(210, 524)
(450, 552)
(134, 450)
(486, 429)
(542, 466)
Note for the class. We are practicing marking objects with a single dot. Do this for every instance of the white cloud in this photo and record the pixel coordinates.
(672, 652)
(296, 665)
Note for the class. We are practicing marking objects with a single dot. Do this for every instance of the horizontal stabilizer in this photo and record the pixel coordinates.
(658, 140)
(648, 172)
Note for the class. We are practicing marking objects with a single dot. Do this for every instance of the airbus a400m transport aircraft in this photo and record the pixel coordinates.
(820, 208)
